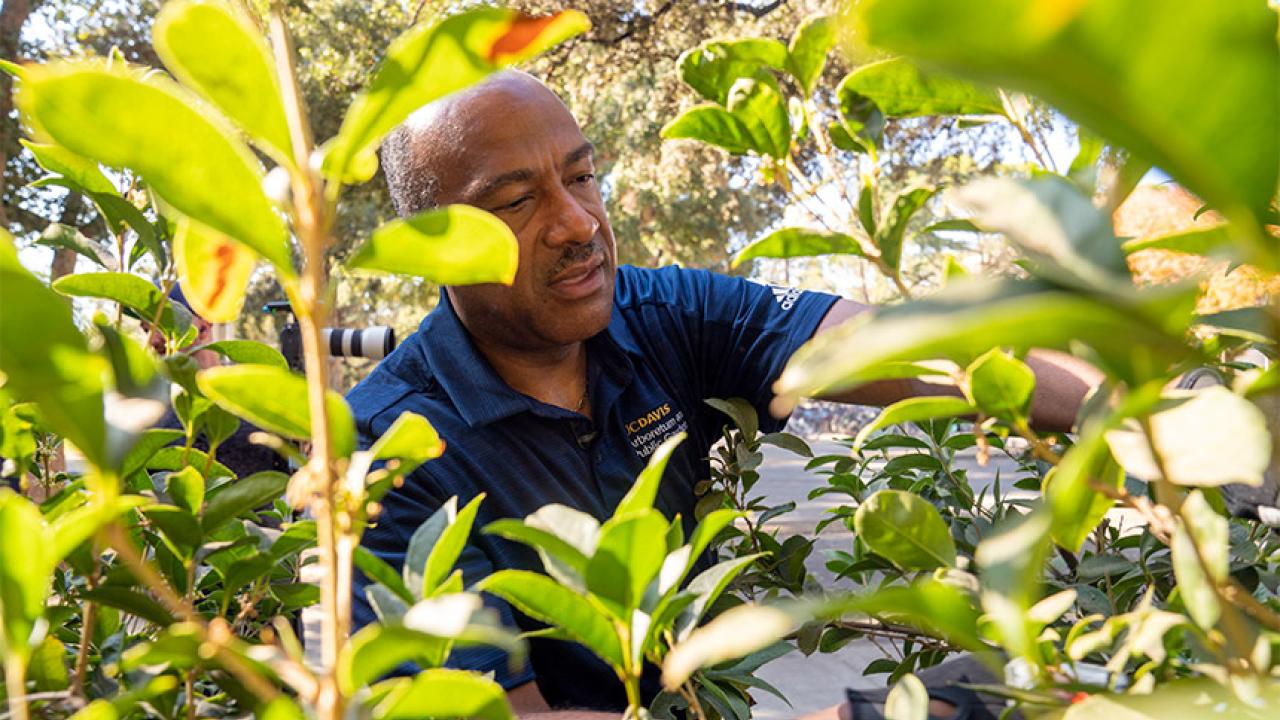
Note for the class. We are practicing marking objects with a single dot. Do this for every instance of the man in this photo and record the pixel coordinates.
(557, 388)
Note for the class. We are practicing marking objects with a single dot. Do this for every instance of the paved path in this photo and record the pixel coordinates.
(818, 681)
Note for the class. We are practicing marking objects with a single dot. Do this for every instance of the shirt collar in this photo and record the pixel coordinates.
(482, 397)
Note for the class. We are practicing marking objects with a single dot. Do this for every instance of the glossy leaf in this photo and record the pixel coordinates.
(1201, 528)
(445, 551)
(133, 292)
(914, 410)
(213, 270)
(807, 54)
(741, 412)
(627, 558)
(430, 61)
(215, 50)
(893, 227)
(423, 542)
(906, 529)
(248, 352)
(25, 573)
(1206, 438)
(186, 489)
(1000, 385)
(276, 400)
(1222, 56)
(377, 570)
(117, 117)
(57, 235)
(411, 439)
(551, 548)
(713, 125)
(455, 245)
(1196, 241)
(901, 89)
(234, 498)
(46, 359)
(545, 600)
(1200, 697)
(713, 67)
(444, 693)
(708, 586)
(1010, 563)
(130, 601)
(799, 242)
(82, 172)
(908, 700)
(763, 112)
(968, 318)
(642, 493)
(734, 633)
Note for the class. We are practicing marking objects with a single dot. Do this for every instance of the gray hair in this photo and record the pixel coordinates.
(411, 181)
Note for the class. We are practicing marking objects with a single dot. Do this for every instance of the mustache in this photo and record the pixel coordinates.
(576, 255)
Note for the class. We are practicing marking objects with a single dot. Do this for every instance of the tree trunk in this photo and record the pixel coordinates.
(13, 15)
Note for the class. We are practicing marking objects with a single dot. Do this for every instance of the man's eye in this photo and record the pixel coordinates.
(585, 178)
(515, 204)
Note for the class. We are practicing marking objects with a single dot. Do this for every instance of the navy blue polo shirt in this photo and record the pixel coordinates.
(676, 337)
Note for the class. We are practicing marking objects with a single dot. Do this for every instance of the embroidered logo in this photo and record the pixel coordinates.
(648, 431)
(785, 296)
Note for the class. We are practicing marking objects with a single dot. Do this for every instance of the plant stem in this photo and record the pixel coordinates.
(311, 218)
(15, 686)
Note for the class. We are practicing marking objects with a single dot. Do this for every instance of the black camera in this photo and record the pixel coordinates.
(374, 342)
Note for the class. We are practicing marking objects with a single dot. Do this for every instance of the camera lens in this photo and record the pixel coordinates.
(373, 342)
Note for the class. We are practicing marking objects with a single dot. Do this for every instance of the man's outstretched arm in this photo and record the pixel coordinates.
(1062, 381)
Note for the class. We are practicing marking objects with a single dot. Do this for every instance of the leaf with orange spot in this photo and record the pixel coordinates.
(213, 269)
(429, 62)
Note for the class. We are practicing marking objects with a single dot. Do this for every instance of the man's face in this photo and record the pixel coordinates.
(522, 157)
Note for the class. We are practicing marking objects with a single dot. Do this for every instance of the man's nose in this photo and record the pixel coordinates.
(570, 222)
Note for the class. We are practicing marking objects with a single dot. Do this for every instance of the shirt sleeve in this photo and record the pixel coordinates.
(745, 332)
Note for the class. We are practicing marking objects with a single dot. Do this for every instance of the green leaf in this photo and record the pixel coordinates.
(741, 412)
(1200, 527)
(713, 125)
(423, 542)
(1107, 66)
(708, 586)
(627, 558)
(642, 493)
(908, 700)
(893, 229)
(788, 442)
(130, 601)
(545, 600)
(860, 118)
(867, 207)
(47, 361)
(901, 89)
(213, 269)
(799, 242)
(1054, 223)
(411, 440)
(763, 112)
(1181, 698)
(131, 291)
(215, 50)
(1206, 437)
(248, 352)
(713, 67)
(430, 61)
(234, 498)
(121, 119)
(25, 574)
(1076, 506)
(176, 458)
(1000, 385)
(737, 632)
(807, 55)
(277, 400)
(939, 609)
(445, 551)
(915, 409)
(377, 570)
(85, 174)
(550, 547)
(968, 318)
(1011, 562)
(48, 666)
(444, 693)
(454, 245)
(57, 235)
(186, 488)
(1196, 241)
(906, 529)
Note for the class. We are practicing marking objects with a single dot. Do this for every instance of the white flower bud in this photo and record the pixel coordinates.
(278, 186)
